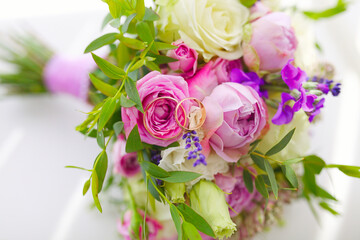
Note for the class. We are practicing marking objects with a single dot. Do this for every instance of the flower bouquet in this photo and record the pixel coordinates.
(209, 103)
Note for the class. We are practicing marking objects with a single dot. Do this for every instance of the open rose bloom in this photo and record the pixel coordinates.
(212, 116)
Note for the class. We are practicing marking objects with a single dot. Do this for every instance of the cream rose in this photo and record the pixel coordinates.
(211, 27)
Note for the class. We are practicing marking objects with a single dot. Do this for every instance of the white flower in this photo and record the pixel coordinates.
(211, 27)
(174, 159)
(299, 144)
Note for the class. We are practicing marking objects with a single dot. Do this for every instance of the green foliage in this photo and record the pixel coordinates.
(109, 69)
(270, 172)
(106, 112)
(177, 220)
(290, 175)
(281, 145)
(260, 186)
(133, 142)
(190, 231)
(351, 171)
(101, 41)
(86, 187)
(340, 7)
(125, 102)
(118, 127)
(130, 88)
(103, 87)
(154, 170)
(180, 177)
(101, 139)
(248, 181)
(248, 3)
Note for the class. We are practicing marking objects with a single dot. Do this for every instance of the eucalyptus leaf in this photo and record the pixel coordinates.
(103, 87)
(109, 69)
(272, 178)
(176, 219)
(282, 144)
(248, 181)
(101, 41)
(194, 218)
(259, 161)
(260, 186)
(180, 177)
(154, 170)
(290, 175)
(133, 142)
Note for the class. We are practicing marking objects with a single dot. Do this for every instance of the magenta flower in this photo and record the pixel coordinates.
(285, 113)
(250, 79)
(125, 164)
(187, 59)
(293, 76)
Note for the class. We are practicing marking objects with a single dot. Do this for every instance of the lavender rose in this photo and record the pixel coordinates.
(125, 164)
(272, 44)
(160, 118)
(235, 117)
(187, 59)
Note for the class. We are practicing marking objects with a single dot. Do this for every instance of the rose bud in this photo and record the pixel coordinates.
(125, 164)
(273, 43)
(187, 59)
(208, 200)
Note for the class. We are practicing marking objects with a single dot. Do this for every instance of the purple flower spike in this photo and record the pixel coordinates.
(336, 89)
(323, 87)
(293, 76)
(188, 146)
(188, 140)
(195, 139)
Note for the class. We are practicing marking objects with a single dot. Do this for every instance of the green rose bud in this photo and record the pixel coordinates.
(208, 200)
(175, 192)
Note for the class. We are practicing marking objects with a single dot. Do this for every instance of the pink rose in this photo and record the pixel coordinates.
(272, 44)
(235, 117)
(160, 117)
(258, 10)
(125, 164)
(240, 198)
(223, 69)
(187, 59)
(152, 226)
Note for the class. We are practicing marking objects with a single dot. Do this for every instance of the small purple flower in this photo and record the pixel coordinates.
(323, 87)
(285, 113)
(318, 106)
(336, 89)
(200, 160)
(250, 79)
(293, 76)
(193, 142)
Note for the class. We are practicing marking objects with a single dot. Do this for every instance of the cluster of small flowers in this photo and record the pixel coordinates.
(193, 141)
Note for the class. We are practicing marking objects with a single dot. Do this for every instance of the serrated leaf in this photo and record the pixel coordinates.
(94, 190)
(127, 22)
(133, 142)
(180, 177)
(101, 41)
(248, 181)
(125, 102)
(118, 127)
(260, 186)
(177, 220)
(133, 43)
(290, 175)
(106, 112)
(190, 231)
(103, 87)
(154, 170)
(198, 221)
(109, 69)
(133, 94)
(100, 168)
(100, 138)
(86, 187)
(150, 15)
(282, 144)
(259, 161)
(273, 183)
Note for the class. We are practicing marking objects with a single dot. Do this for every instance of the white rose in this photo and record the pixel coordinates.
(212, 27)
(299, 144)
(174, 159)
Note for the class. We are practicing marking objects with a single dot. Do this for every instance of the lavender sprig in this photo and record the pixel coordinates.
(193, 142)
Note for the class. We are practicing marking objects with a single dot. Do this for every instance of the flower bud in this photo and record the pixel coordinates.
(175, 192)
(208, 200)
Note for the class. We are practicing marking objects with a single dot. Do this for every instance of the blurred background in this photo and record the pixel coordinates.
(40, 199)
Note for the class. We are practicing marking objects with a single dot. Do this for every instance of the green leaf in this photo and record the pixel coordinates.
(154, 170)
(114, 8)
(103, 87)
(122, 55)
(100, 139)
(180, 177)
(127, 22)
(109, 69)
(248, 181)
(115, 23)
(118, 127)
(259, 161)
(133, 94)
(138, 65)
(352, 171)
(198, 221)
(100, 168)
(340, 7)
(101, 41)
(162, 59)
(177, 220)
(94, 190)
(80, 168)
(144, 32)
(125, 102)
(272, 178)
(152, 189)
(248, 3)
(133, 142)
(290, 175)
(326, 206)
(106, 20)
(314, 163)
(164, 46)
(254, 145)
(133, 43)
(322, 193)
(140, 9)
(150, 15)
(260, 186)
(106, 112)
(190, 231)
(152, 66)
(281, 145)
(86, 187)
(292, 161)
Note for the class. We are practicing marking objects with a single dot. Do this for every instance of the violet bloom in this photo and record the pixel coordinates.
(316, 112)
(293, 76)
(250, 79)
(285, 113)
(335, 90)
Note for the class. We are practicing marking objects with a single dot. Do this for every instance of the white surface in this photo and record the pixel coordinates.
(40, 199)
